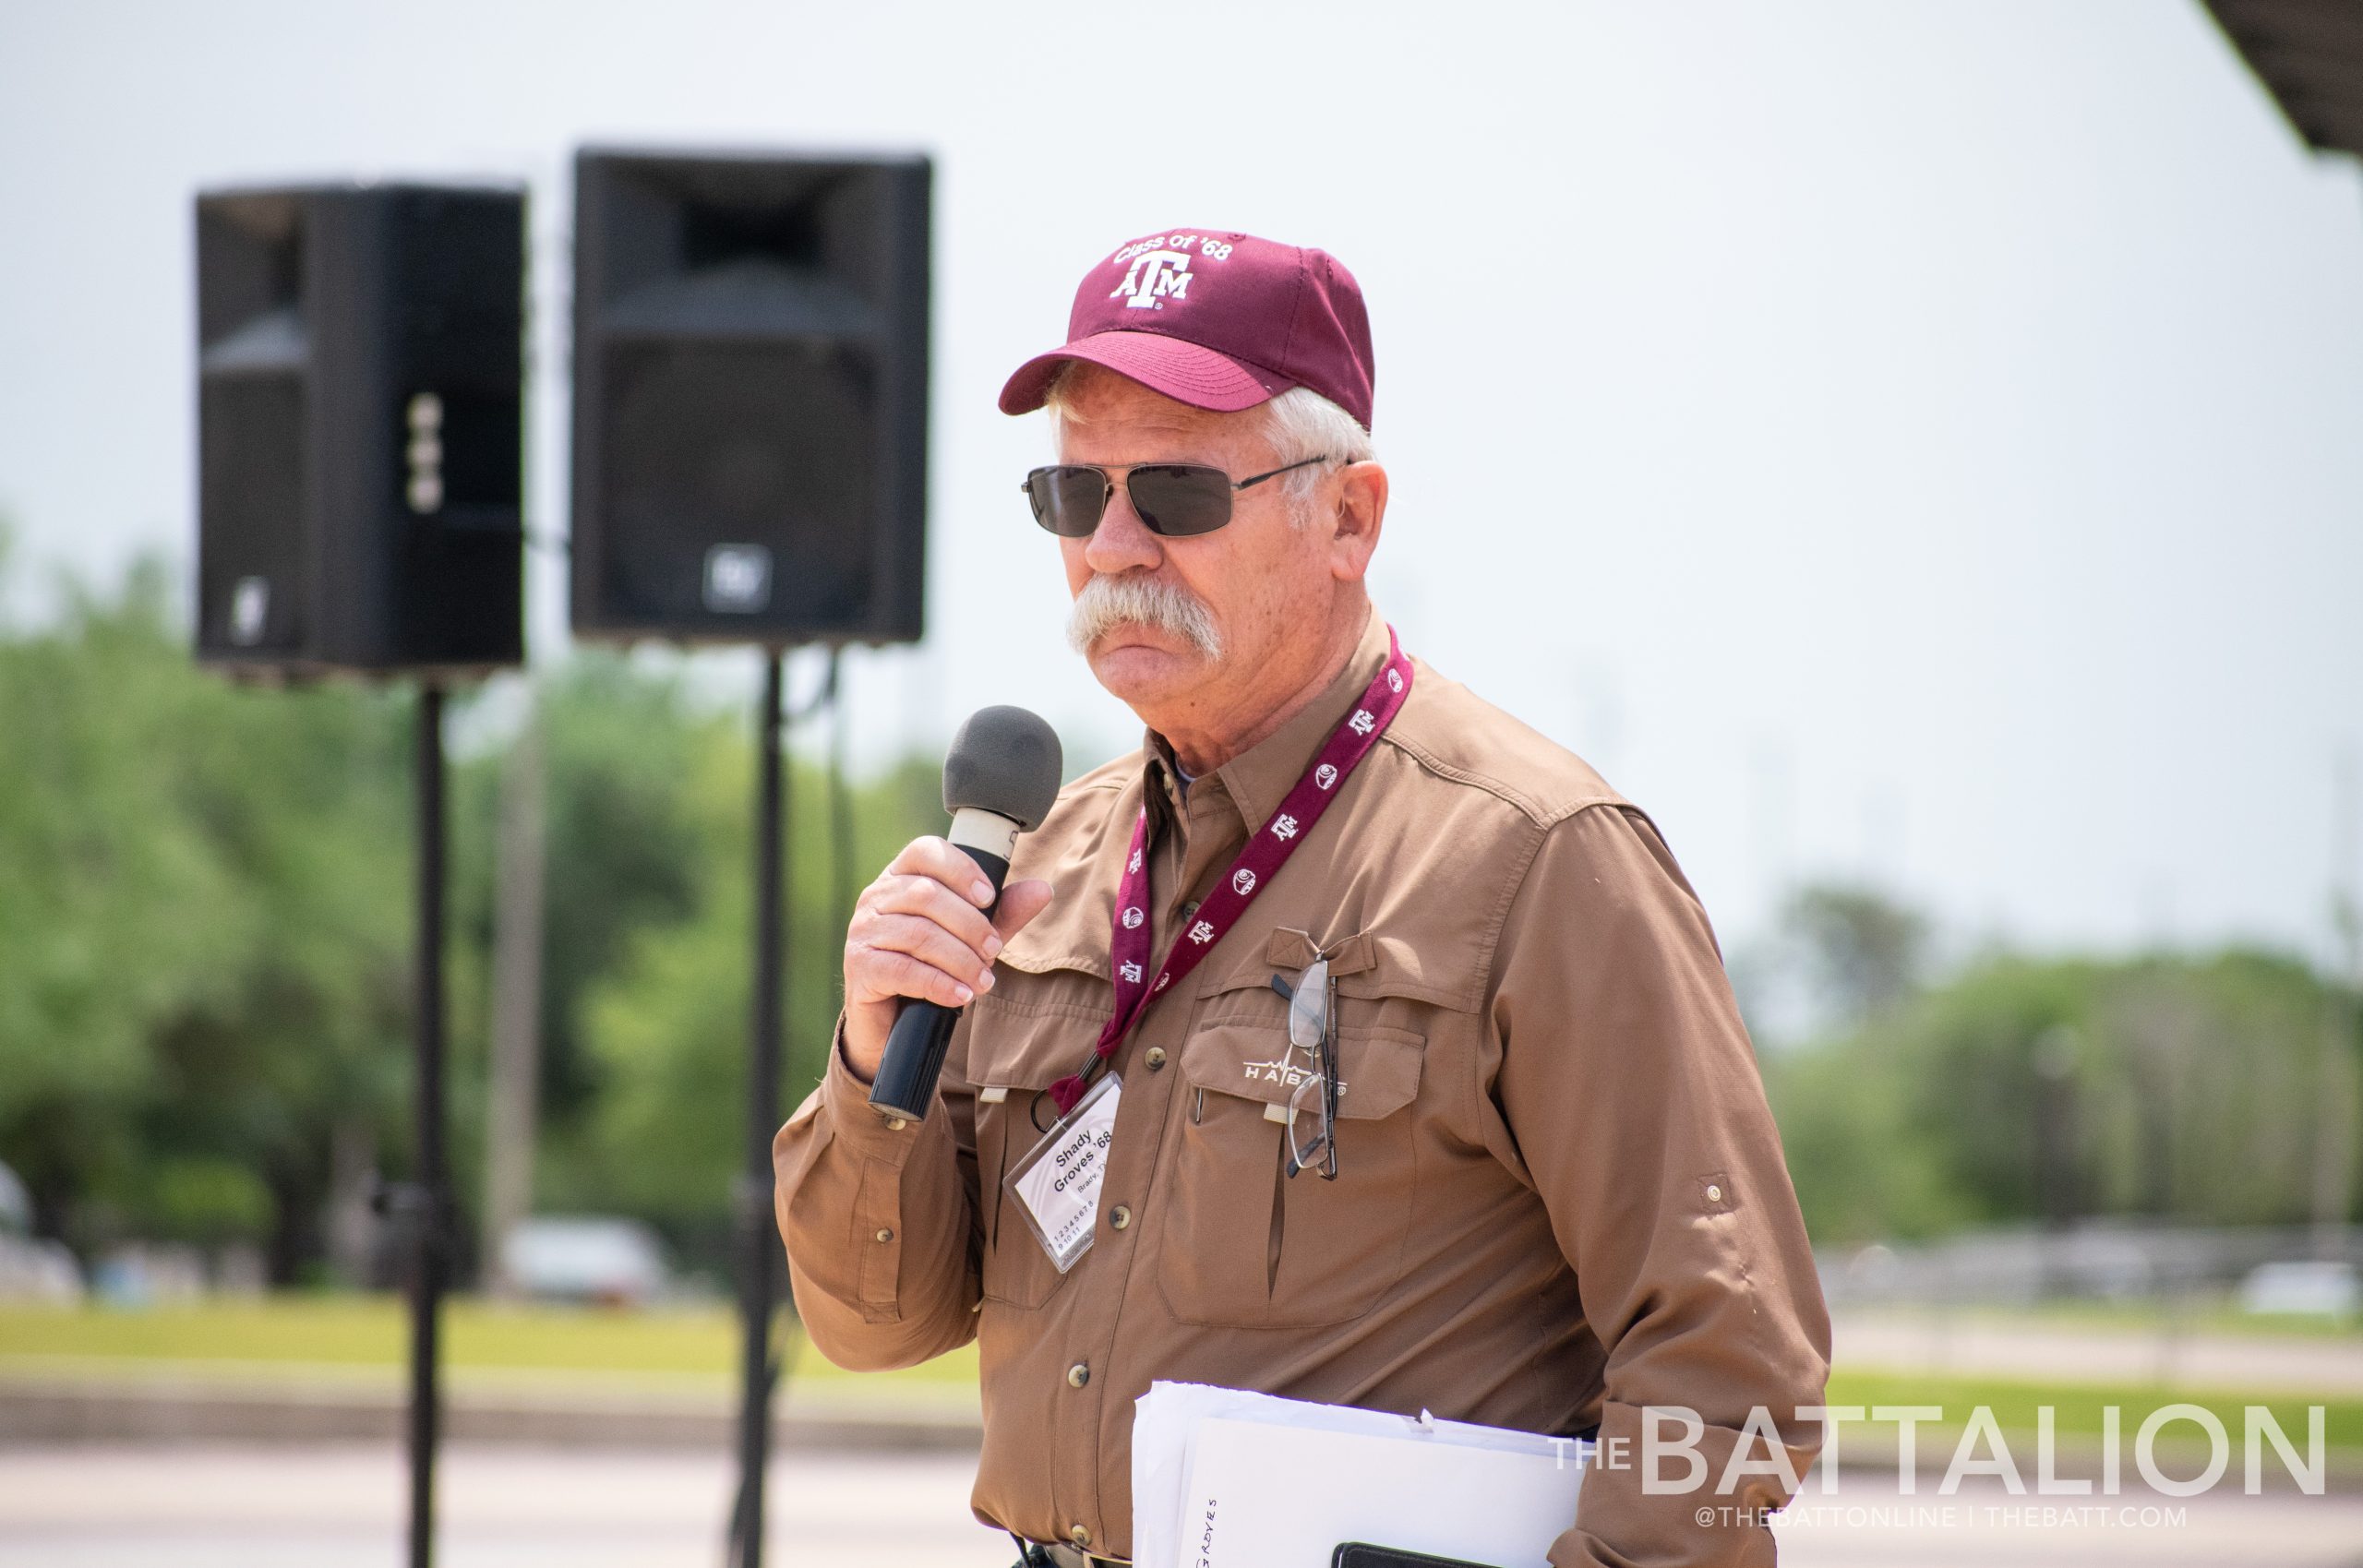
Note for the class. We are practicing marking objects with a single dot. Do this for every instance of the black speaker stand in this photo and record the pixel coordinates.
(420, 1207)
(759, 1260)
(761, 1252)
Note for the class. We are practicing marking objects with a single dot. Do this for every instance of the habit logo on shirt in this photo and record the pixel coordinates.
(1281, 1071)
(1152, 276)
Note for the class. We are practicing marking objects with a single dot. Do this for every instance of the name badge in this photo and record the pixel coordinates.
(1057, 1184)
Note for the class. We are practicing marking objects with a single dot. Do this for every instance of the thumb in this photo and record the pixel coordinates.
(1020, 901)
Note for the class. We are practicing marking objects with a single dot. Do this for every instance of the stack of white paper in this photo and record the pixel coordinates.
(1224, 1479)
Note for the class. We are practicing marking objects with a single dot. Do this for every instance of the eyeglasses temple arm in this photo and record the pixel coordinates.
(1301, 463)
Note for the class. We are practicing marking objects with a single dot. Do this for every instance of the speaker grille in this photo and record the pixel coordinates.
(252, 566)
(734, 445)
(750, 397)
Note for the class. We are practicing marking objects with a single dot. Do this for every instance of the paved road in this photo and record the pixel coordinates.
(340, 1507)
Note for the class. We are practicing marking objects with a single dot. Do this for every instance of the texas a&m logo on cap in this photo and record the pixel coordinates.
(1157, 269)
(1154, 275)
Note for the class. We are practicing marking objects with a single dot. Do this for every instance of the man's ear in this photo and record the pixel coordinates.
(1361, 511)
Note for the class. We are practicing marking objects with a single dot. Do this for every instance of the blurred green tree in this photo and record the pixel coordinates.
(667, 1026)
(205, 935)
(202, 942)
(2180, 1086)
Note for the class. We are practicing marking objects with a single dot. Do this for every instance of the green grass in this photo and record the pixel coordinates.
(2212, 1316)
(371, 1331)
(2077, 1408)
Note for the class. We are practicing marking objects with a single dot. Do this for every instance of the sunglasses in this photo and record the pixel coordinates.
(1171, 498)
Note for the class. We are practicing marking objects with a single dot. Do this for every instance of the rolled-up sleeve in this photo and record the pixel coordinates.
(1631, 1093)
(880, 1219)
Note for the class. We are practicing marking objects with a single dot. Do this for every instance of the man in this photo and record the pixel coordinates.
(1550, 1197)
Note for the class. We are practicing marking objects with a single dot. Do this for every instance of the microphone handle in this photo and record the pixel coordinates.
(922, 1032)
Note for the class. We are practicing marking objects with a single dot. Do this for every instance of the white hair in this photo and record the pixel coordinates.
(1302, 423)
(1299, 423)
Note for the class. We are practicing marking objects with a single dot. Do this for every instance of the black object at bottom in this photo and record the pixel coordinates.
(1034, 1554)
(1361, 1554)
(914, 1058)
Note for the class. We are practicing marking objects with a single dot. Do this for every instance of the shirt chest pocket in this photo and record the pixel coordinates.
(1250, 1246)
(1016, 1050)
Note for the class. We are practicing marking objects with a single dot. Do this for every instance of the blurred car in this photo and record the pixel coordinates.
(32, 1269)
(586, 1258)
(2307, 1288)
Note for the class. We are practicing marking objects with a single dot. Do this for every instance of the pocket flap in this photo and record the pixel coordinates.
(1367, 965)
(1378, 1070)
(1021, 1047)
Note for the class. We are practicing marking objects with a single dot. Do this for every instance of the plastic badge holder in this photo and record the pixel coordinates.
(1057, 1182)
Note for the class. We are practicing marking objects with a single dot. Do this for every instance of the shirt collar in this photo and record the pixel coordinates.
(1259, 778)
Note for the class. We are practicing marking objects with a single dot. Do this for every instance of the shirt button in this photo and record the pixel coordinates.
(1079, 1535)
(1079, 1374)
(885, 1234)
(1714, 1193)
(1189, 909)
(1119, 1216)
(1154, 1056)
(895, 1124)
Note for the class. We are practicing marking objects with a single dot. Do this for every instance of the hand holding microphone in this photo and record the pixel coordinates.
(925, 934)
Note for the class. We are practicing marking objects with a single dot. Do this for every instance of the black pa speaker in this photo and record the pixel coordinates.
(750, 349)
(360, 374)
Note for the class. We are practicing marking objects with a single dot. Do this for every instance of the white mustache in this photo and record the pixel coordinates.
(1106, 602)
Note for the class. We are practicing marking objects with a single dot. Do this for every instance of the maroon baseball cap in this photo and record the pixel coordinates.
(1221, 321)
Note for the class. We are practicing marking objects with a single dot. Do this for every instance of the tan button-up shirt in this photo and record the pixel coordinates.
(1560, 1198)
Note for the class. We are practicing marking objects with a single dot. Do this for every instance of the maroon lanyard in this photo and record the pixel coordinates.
(1265, 853)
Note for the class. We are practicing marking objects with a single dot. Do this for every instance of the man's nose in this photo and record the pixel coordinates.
(1122, 541)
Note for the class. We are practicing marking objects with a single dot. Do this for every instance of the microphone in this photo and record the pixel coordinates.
(999, 779)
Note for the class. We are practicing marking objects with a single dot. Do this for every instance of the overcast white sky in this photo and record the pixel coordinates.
(1897, 439)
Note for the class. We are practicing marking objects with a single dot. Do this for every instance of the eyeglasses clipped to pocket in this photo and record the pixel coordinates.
(1247, 1247)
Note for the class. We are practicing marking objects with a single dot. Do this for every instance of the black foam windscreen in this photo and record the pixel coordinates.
(751, 388)
(1005, 760)
(360, 413)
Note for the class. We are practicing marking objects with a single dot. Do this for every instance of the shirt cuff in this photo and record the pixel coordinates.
(844, 1100)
